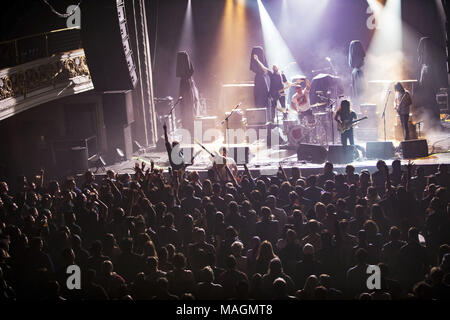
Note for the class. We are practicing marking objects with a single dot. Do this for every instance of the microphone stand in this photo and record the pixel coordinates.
(384, 114)
(330, 103)
(226, 120)
(170, 114)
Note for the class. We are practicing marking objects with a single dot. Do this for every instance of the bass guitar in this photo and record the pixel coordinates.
(348, 124)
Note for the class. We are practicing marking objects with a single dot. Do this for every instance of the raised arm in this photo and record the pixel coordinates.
(166, 138)
(308, 84)
(283, 173)
(263, 67)
(409, 174)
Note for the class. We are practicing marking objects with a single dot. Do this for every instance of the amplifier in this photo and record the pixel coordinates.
(256, 116)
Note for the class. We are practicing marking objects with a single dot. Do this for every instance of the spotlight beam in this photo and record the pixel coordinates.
(276, 49)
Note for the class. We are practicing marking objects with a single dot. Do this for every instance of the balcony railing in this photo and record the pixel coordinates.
(21, 50)
(41, 68)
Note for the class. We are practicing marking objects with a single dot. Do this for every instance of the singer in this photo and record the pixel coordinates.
(277, 82)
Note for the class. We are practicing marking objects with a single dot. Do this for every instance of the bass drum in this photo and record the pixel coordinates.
(296, 135)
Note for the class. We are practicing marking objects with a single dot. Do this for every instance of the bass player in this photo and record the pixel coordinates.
(344, 115)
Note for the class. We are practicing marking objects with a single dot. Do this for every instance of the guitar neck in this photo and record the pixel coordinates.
(358, 120)
(204, 148)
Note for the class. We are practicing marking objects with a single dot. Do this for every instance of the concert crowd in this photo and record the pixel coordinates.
(175, 236)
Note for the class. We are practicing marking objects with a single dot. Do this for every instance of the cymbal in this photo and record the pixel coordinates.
(326, 75)
(319, 104)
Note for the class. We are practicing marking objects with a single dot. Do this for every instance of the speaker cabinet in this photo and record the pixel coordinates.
(341, 154)
(311, 152)
(106, 43)
(256, 116)
(118, 108)
(380, 150)
(79, 159)
(414, 148)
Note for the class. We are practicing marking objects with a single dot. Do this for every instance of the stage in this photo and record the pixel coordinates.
(265, 161)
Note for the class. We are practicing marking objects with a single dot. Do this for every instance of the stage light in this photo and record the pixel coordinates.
(232, 48)
(276, 49)
(385, 57)
(187, 38)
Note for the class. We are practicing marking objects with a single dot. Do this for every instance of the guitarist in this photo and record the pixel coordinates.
(175, 154)
(277, 82)
(402, 103)
(344, 116)
(225, 167)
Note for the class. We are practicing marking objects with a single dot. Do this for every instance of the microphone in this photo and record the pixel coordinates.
(341, 96)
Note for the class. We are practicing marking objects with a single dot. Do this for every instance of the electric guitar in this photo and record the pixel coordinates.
(348, 124)
(292, 84)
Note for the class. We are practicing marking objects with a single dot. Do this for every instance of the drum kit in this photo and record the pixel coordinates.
(311, 130)
(318, 127)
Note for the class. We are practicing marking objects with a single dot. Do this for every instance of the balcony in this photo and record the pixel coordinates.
(40, 68)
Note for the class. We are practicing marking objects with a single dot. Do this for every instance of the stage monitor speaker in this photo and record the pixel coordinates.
(311, 152)
(79, 159)
(107, 46)
(256, 116)
(240, 154)
(380, 150)
(341, 154)
(414, 148)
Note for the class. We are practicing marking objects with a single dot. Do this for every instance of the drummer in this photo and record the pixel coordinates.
(300, 102)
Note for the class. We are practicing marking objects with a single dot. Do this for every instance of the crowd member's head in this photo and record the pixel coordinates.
(311, 181)
(266, 251)
(394, 233)
(349, 169)
(179, 261)
(275, 267)
(207, 275)
(381, 165)
(236, 248)
(308, 250)
(328, 168)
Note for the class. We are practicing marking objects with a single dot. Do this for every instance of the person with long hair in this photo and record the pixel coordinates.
(345, 115)
(402, 103)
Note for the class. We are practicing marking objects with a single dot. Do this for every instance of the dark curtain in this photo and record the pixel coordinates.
(188, 91)
(428, 85)
(356, 55)
(262, 80)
